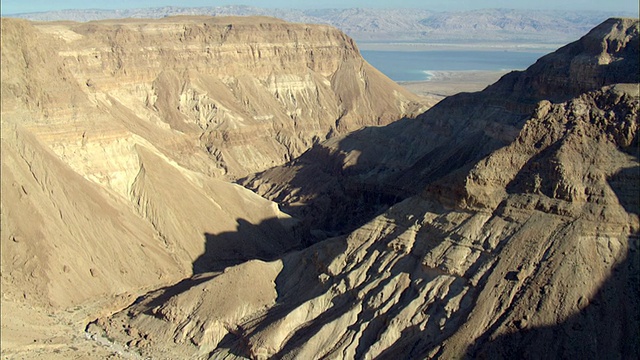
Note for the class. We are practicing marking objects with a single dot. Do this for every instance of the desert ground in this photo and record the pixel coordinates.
(209, 187)
(447, 83)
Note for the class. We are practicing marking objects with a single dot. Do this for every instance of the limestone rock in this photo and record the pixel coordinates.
(499, 224)
(152, 116)
(521, 238)
(118, 140)
(434, 152)
(244, 94)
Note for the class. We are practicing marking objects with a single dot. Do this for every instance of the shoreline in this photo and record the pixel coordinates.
(446, 83)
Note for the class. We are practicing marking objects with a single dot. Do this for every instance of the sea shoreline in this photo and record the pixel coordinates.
(446, 83)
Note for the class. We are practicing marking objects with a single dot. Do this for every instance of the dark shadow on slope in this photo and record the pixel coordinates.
(335, 188)
(608, 328)
(324, 187)
(297, 282)
(266, 241)
(160, 297)
(327, 196)
(626, 184)
(528, 179)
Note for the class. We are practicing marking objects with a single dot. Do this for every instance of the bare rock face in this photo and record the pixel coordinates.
(608, 54)
(251, 93)
(437, 149)
(119, 138)
(518, 237)
(148, 110)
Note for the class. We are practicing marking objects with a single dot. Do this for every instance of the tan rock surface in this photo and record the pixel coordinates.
(252, 92)
(517, 235)
(425, 280)
(118, 138)
(521, 242)
(381, 165)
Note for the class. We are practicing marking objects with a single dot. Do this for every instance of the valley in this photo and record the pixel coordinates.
(244, 187)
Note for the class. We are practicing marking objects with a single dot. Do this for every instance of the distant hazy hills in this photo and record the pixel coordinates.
(392, 25)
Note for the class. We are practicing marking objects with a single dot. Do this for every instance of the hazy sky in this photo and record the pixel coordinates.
(20, 6)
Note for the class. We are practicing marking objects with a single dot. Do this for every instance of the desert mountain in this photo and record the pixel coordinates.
(517, 236)
(497, 224)
(384, 25)
(381, 165)
(119, 138)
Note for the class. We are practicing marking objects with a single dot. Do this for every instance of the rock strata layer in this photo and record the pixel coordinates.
(119, 138)
(498, 224)
(518, 236)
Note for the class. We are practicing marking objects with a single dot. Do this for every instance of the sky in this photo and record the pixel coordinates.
(22, 6)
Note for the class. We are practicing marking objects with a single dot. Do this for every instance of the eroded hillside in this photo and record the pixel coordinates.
(498, 224)
(119, 139)
(518, 236)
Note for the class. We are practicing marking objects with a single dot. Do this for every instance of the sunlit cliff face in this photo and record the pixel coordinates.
(496, 224)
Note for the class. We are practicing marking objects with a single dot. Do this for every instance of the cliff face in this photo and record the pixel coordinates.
(517, 233)
(119, 138)
(435, 151)
(608, 54)
(518, 236)
(130, 104)
(249, 93)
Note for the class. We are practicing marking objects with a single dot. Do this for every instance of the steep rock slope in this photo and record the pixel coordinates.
(117, 141)
(381, 165)
(251, 92)
(528, 248)
(149, 110)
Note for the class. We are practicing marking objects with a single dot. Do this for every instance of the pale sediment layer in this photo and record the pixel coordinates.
(118, 140)
(447, 83)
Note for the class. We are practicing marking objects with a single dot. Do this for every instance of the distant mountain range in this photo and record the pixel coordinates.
(392, 25)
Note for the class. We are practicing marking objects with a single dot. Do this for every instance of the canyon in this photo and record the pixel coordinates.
(237, 187)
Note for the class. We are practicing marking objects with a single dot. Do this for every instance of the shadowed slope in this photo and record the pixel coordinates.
(116, 140)
(517, 235)
(439, 147)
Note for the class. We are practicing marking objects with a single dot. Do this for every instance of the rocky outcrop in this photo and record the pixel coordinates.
(608, 54)
(521, 240)
(428, 281)
(118, 140)
(437, 149)
(517, 233)
(248, 93)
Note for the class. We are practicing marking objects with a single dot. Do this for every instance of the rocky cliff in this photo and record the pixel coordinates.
(251, 92)
(518, 235)
(118, 141)
(436, 151)
(498, 224)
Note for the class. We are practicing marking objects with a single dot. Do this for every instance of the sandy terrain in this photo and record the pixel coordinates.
(446, 83)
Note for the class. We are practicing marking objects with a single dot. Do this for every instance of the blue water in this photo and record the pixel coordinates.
(415, 65)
